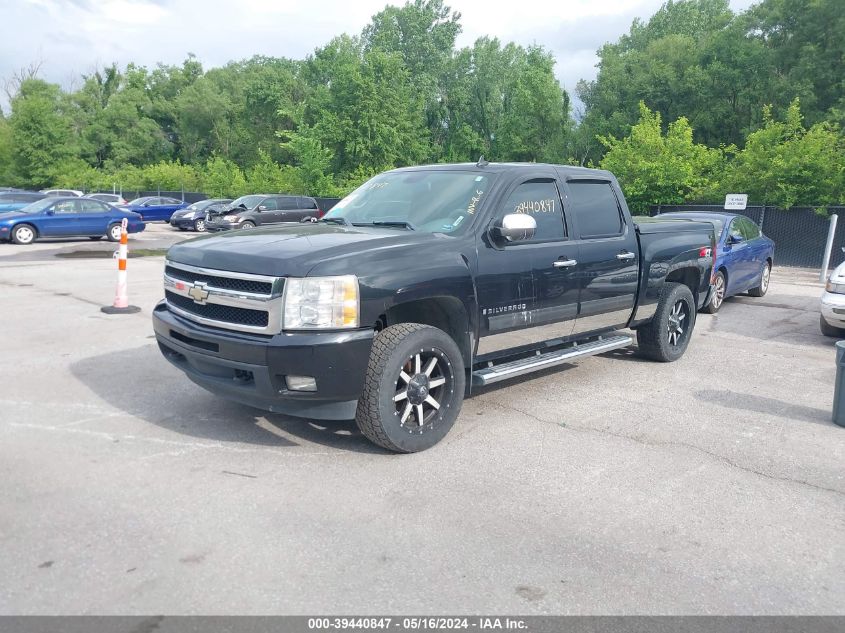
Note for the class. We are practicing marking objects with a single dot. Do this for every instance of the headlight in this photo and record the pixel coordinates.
(835, 288)
(231, 218)
(317, 303)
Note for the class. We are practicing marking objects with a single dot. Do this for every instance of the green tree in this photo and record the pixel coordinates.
(222, 178)
(656, 168)
(41, 133)
(785, 164)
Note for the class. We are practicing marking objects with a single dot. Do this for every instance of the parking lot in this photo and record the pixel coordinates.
(714, 485)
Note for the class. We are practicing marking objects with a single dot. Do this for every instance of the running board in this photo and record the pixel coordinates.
(495, 373)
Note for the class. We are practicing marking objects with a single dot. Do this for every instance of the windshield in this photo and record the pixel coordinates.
(37, 207)
(248, 202)
(436, 201)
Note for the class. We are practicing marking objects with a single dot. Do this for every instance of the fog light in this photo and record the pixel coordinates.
(301, 383)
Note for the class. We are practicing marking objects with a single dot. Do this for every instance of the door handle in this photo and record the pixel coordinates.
(565, 263)
(625, 256)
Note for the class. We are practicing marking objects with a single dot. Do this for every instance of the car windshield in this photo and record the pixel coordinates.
(435, 201)
(40, 205)
(247, 202)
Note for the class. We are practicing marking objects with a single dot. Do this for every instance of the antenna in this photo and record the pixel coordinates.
(482, 162)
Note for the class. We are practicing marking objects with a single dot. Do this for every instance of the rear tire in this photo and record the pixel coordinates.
(830, 330)
(24, 234)
(665, 338)
(413, 390)
(763, 285)
(718, 298)
(113, 233)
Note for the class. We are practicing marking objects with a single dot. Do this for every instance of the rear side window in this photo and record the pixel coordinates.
(750, 231)
(596, 209)
(287, 202)
(539, 199)
(307, 203)
(92, 206)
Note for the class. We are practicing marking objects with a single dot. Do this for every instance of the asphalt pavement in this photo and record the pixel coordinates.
(713, 485)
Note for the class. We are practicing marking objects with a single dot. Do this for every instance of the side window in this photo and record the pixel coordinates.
(749, 230)
(539, 199)
(269, 204)
(735, 230)
(307, 203)
(92, 206)
(596, 209)
(65, 207)
(288, 202)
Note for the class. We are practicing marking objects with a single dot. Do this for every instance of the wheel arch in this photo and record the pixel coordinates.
(443, 312)
(690, 276)
(25, 223)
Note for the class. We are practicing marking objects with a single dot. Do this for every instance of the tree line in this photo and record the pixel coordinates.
(688, 105)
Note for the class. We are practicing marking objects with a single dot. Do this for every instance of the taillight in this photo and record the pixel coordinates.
(704, 251)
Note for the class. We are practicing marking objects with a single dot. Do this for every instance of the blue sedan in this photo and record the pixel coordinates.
(152, 208)
(744, 256)
(66, 217)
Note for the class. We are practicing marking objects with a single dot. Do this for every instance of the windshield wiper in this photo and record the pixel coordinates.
(341, 221)
(391, 223)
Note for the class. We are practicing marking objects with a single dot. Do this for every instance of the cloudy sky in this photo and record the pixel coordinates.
(75, 36)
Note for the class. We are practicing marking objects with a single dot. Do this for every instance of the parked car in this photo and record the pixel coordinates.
(193, 216)
(425, 283)
(247, 212)
(152, 208)
(111, 198)
(66, 217)
(832, 318)
(62, 192)
(14, 200)
(744, 256)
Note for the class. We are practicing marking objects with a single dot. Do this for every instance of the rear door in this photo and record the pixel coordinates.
(289, 209)
(608, 255)
(308, 207)
(93, 217)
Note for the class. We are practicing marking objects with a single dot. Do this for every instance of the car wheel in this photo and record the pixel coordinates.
(113, 233)
(830, 330)
(24, 234)
(94, 238)
(718, 296)
(413, 389)
(199, 225)
(666, 336)
(763, 285)
(248, 225)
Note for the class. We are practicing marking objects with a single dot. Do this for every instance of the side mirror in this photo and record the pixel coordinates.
(517, 227)
(262, 207)
(734, 239)
(49, 212)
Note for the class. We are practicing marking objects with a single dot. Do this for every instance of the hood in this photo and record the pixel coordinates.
(291, 250)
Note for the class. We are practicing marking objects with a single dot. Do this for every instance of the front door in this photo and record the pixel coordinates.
(608, 256)
(527, 290)
(63, 221)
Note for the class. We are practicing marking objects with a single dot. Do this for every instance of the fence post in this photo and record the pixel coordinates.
(762, 217)
(828, 247)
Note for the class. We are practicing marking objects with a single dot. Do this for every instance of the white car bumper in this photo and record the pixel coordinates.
(833, 309)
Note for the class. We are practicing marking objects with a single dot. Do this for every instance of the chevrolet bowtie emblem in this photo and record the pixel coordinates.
(198, 293)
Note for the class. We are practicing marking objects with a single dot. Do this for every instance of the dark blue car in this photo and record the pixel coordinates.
(152, 208)
(744, 256)
(14, 200)
(66, 217)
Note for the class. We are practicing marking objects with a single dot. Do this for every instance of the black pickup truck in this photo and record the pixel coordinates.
(425, 283)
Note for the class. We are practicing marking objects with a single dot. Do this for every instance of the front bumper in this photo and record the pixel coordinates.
(833, 309)
(220, 225)
(184, 222)
(251, 368)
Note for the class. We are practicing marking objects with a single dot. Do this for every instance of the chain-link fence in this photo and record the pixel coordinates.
(799, 234)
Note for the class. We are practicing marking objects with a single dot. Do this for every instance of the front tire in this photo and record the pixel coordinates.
(248, 225)
(413, 390)
(665, 338)
(720, 284)
(763, 285)
(24, 234)
(199, 225)
(830, 330)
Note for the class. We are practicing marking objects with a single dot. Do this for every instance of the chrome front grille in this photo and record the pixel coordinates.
(219, 298)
